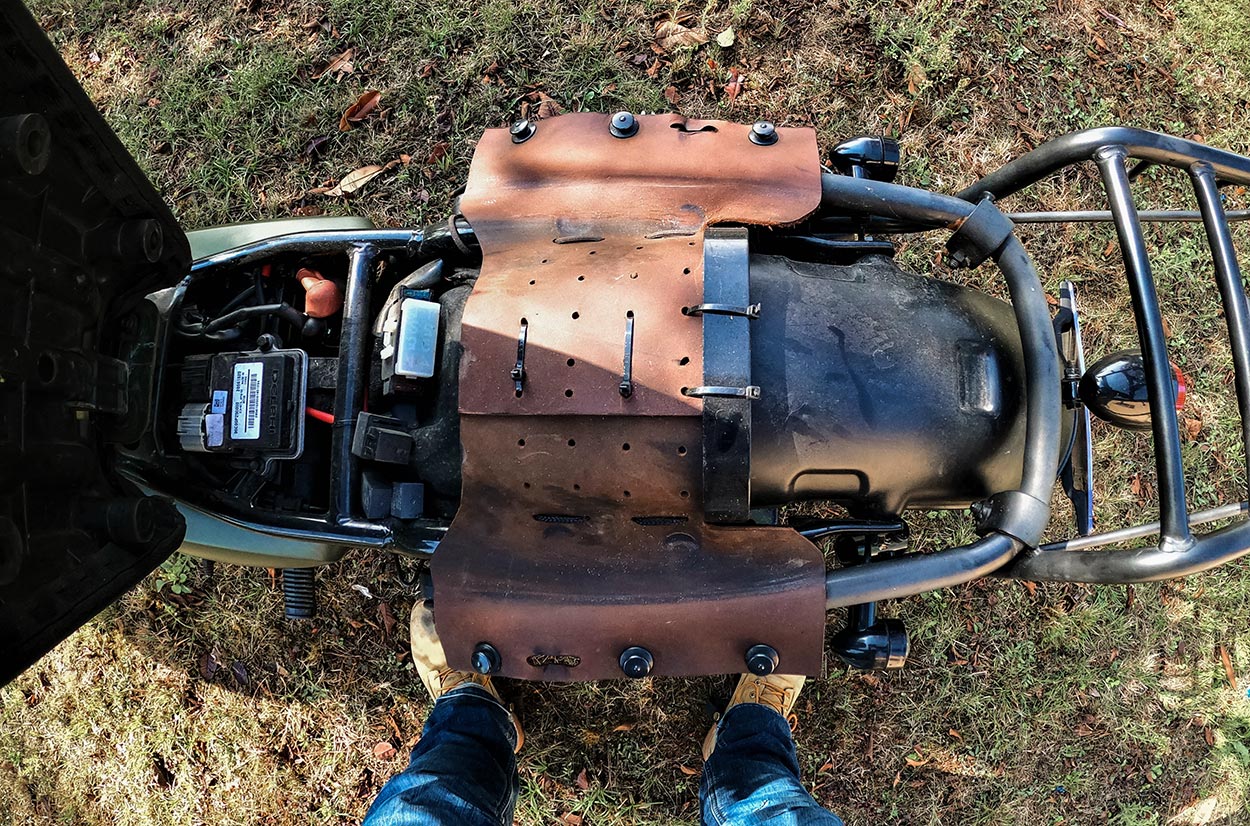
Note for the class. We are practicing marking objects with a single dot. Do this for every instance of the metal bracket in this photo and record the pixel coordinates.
(518, 372)
(749, 311)
(716, 391)
(727, 390)
(627, 372)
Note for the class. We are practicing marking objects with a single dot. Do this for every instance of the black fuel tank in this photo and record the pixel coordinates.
(881, 389)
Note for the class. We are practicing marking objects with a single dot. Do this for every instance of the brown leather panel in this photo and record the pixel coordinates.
(568, 545)
(555, 561)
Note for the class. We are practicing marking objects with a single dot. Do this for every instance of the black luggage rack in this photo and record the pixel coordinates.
(1179, 551)
(869, 206)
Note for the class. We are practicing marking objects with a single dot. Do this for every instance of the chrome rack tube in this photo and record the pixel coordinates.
(1104, 216)
(1228, 277)
(1163, 424)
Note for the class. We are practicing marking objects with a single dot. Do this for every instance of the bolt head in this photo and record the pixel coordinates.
(762, 660)
(636, 662)
(763, 133)
(624, 125)
(522, 130)
(485, 659)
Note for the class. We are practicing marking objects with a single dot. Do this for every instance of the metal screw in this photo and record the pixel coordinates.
(764, 133)
(624, 125)
(486, 659)
(636, 662)
(762, 660)
(522, 131)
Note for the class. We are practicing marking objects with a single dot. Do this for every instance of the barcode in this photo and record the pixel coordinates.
(245, 401)
(253, 402)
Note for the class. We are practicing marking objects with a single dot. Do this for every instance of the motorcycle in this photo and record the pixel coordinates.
(586, 397)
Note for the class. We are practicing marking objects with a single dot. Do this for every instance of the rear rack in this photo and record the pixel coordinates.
(1179, 551)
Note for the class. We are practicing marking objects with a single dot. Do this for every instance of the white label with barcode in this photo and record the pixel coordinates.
(245, 401)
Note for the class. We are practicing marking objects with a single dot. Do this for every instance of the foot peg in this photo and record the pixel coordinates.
(871, 644)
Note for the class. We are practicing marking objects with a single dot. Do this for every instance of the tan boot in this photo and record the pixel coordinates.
(431, 663)
(777, 691)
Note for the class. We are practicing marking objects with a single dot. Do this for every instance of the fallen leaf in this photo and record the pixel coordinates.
(339, 65)
(956, 734)
(384, 751)
(308, 211)
(726, 38)
(239, 672)
(312, 149)
(154, 102)
(672, 95)
(405, 159)
(209, 666)
(1135, 484)
(654, 68)
(1208, 735)
(916, 761)
(915, 78)
(361, 109)
(388, 618)
(1167, 328)
(624, 727)
(689, 772)
(571, 818)
(1032, 586)
(353, 182)
(437, 152)
(1228, 667)
(547, 106)
(582, 782)
(1193, 427)
(733, 86)
(670, 35)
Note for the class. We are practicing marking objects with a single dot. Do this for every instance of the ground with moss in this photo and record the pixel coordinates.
(1048, 704)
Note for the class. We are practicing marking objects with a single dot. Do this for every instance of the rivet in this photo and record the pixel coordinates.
(624, 125)
(522, 130)
(764, 133)
(486, 659)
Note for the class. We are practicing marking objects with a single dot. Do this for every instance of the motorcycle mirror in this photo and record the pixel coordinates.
(1115, 390)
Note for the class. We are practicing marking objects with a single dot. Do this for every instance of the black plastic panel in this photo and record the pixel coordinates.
(83, 237)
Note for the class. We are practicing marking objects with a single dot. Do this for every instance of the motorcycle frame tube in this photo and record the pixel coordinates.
(908, 575)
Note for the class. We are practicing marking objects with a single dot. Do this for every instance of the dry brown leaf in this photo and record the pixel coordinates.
(956, 734)
(582, 781)
(915, 78)
(624, 727)
(1031, 586)
(339, 65)
(689, 772)
(672, 95)
(571, 819)
(437, 152)
(388, 618)
(1167, 328)
(1135, 484)
(1193, 427)
(547, 106)
(356, 179)
(916, 761)
(1208, 735)
(1228, 667)
(361, 109)
(733, 86)
(670, 35)
(384, 751)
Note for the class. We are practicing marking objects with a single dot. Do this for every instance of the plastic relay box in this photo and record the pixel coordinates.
(245, 404)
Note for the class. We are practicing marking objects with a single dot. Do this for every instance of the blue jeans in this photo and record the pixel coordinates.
(463, 772)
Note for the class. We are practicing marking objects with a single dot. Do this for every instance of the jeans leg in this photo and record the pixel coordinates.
(462, 772)
(752, 778)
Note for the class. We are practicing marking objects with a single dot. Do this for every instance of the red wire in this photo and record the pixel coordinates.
(319, 415)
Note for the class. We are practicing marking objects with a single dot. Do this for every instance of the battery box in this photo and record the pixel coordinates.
(245, 404)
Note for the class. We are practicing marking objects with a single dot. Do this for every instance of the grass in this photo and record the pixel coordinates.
(1068, 704)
